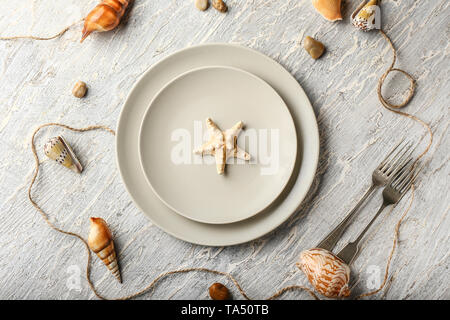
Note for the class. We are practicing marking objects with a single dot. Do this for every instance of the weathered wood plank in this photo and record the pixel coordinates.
(35, 88)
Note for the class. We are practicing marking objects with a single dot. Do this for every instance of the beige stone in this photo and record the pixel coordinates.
(202, 5)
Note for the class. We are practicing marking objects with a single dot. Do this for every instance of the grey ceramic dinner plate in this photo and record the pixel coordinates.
(174, 125)
(127, 146)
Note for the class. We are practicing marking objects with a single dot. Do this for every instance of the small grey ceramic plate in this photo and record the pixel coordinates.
(174, 124)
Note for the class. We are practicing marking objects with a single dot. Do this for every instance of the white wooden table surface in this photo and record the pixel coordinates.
(36, 78)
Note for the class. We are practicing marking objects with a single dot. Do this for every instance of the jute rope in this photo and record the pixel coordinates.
(59, 34)
(389, 106)
(385, 103)
(393, 108)
(88, 264)
(391, 254)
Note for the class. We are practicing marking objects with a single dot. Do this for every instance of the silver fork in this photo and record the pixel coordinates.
(392, 194)
(381, 176)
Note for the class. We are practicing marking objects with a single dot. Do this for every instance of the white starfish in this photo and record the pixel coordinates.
(222, 145)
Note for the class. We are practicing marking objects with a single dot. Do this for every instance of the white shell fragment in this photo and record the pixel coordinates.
(367, 16)
(59, 150)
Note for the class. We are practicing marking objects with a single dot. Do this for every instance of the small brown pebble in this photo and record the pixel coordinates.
(202, 5)
(315, 48)
(219, 292)
(79, 90)
(220, 5)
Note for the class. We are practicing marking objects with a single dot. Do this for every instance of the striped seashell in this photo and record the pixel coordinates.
(329, 9)
(59, 150)
(367, 16)
(327, 273)
(100, 241)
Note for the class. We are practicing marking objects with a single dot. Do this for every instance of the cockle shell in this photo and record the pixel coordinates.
(327, 273)
(367, 16)
(100, 241)
(329, 9)
(59, 150)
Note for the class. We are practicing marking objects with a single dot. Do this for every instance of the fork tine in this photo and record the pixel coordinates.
(406, 158)
(405, 188)
(400, 159)
(389, 154)
(414, 173)
(395, 155)
(401, 174)
(405, 180)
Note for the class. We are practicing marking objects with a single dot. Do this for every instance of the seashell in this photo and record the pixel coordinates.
(100, 241)
(327, 273)
(59, 150)
(367, 16)
(104, 17)
(329, 9)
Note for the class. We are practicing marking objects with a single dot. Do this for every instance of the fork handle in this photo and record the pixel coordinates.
(349, 252)
(329, 242)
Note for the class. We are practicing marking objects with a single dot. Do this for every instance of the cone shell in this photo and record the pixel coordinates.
(59, 150)
(367, 16)
(104, 17)
(327, 273)
(100, 241)
(329, 9)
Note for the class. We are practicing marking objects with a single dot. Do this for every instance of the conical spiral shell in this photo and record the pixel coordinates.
(100, 241)
(327, 273)
(367, 16)
(104, 17)
(59, 150)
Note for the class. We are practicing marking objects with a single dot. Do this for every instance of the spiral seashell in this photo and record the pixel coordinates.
(104, 17)
(100, 241)
(327, 273)
(329, 9)
(59, 150)
(367, 16)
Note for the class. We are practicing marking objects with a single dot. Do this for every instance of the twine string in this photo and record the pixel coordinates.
(86, 246)
(386, 104)
(391, 254)
(389, 70)
(57, 35)
(394, 108)
(280, 292)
